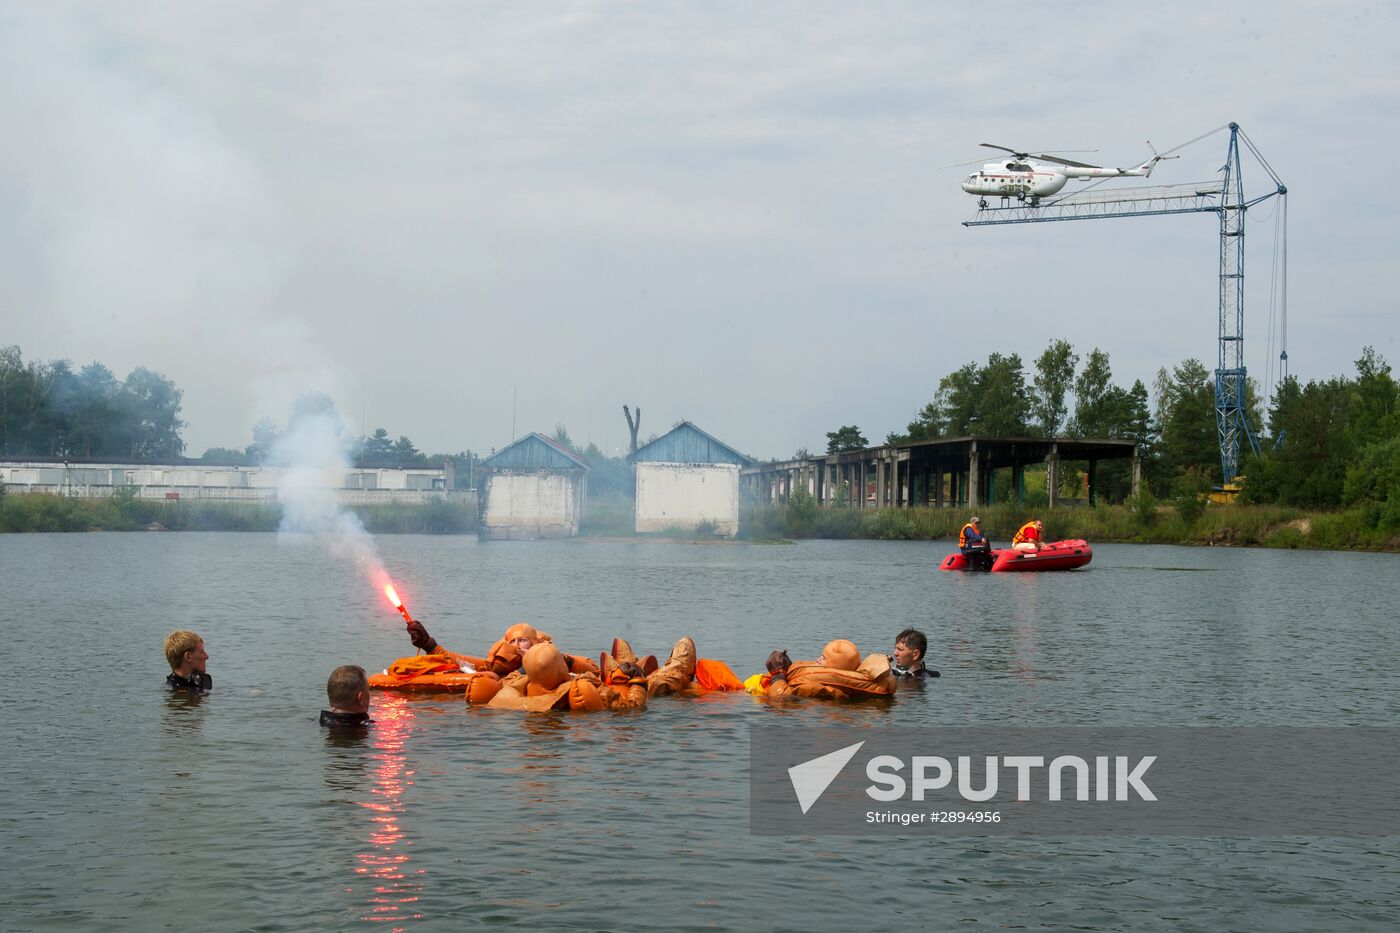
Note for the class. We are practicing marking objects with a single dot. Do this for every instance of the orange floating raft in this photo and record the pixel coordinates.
(429, 673)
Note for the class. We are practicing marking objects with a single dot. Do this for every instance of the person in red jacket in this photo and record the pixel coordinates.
(1029, 537)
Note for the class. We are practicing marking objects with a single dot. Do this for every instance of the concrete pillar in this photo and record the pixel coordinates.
(880, 483)
(1137, 472)
(906, 488)
(974, 478)
(1052, 473)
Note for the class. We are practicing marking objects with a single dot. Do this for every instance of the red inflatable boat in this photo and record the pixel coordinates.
(1058, 555)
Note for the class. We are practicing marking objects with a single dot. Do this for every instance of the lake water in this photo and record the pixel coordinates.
(125, 808)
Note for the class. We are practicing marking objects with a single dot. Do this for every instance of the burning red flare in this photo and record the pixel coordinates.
(398, 603)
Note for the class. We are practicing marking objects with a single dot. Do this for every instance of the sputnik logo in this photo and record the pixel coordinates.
(811, 778)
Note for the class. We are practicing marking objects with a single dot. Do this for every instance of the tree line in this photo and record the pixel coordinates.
(1326, 443)
(49, 409)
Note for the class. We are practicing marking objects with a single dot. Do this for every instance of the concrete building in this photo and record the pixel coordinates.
(195, 480)
(685, 478)
(535, 488)
(956, 472)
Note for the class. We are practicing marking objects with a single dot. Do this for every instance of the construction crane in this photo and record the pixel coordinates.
(1225, 198)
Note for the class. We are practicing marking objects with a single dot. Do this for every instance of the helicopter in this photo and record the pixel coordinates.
(1026, 180)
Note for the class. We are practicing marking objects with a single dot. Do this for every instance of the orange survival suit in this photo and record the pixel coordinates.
(503, 657)
(682, 670)
(839, 674)
(544, 683)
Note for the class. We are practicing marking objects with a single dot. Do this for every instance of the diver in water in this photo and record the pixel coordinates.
(185, 652)
(907, 662)
(348, 691)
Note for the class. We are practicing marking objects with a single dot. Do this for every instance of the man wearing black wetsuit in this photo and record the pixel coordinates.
(348, 690)
(907, 662)
(185, 652)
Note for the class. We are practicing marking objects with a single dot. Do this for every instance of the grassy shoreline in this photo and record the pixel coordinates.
(43, 512)
(1142, 522)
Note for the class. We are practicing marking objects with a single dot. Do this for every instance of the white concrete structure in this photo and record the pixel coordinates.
(534, 488)
(201, 481)
(531, 505)
(686, 495)
(687, 479)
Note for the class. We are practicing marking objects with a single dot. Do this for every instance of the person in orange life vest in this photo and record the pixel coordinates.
(503, 657)
(1028, 538)
(974, 545)
(544, 683)
(839, 674)
(185, 652)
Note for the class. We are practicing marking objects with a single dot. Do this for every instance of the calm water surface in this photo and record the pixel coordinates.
(127, 809)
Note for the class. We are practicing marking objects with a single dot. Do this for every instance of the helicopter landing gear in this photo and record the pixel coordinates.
(982, 204)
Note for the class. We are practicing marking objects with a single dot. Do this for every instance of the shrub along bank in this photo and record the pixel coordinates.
(1140, 521)
(124, 512)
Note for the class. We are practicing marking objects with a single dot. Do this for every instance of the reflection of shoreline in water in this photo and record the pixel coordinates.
(384, 862)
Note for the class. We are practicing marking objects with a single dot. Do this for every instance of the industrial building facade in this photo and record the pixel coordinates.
(201, 481)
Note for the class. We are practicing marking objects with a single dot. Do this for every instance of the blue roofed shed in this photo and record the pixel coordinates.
(533, 488)
(687, 479)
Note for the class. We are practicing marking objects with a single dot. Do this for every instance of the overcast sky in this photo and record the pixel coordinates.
(453, 217)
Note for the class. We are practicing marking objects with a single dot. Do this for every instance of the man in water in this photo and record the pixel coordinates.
(348, 692)
(1028, 538)
(975, 546)
(185, 652)
(907, 662)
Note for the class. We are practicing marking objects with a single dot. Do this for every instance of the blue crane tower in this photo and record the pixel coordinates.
(1225, 198)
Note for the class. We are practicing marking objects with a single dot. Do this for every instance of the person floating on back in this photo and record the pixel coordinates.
(544, 683)
(1029, 536)
(839, 674)
(975, 546)
(907, 662)
(185, 652)
(348, 692)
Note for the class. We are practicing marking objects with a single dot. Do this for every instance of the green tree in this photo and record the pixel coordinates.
(1003, 406)
(1054, 375)
(846, 437)
(265, 435)
(609, 476)
(225, 456)
(1372, 411)
(152, 404)
(1309, 468)
(377, 448)
(97, 412)
(405, 454)
(1190, 442)
(1092, 411)
(561, 435)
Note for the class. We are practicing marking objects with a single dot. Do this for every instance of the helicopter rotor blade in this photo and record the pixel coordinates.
(978, 161)
(1016, 152)
(1069, 162)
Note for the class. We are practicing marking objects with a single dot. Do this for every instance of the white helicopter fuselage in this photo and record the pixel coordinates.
(1030, 179)
(1015, 180)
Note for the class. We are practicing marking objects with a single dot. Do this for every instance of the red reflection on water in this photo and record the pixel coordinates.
(394, 885)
